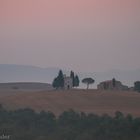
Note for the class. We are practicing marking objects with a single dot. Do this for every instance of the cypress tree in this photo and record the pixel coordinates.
(76, 81)
(114, 82)
(137, 86)
(73, 78)
(61, 79)
(58, 82)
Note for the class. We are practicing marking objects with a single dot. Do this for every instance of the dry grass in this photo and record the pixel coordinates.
(92, 101)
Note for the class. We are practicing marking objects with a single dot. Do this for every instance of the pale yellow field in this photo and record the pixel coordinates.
(91, 101)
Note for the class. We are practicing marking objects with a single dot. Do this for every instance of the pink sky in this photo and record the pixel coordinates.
(99, 29)
(44, 11)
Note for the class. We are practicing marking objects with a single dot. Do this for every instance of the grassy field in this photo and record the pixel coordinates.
(91, 101)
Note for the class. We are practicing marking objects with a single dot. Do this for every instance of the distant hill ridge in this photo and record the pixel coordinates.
(25, 73)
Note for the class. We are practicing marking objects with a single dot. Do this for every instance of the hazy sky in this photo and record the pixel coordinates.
(83, 35)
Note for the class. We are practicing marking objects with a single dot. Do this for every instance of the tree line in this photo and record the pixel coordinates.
(26, 124)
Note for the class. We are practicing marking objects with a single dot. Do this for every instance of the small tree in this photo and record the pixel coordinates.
(88, 81)
(137, 86)
(114, 82)
(76, 81)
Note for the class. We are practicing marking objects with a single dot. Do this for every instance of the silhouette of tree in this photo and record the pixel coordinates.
(76, 81)
(58, 82)
(114, 82)
(73, 78)
(88, 81)
(137, 86)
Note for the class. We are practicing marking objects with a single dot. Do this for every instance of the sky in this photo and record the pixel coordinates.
(82, 35)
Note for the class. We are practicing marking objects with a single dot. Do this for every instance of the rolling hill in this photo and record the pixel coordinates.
(91, 101)
(26, 86)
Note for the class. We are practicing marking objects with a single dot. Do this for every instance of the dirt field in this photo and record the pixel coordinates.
(91, 101)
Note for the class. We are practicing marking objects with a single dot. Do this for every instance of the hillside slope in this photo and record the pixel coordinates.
(24, 86)
(91, 101)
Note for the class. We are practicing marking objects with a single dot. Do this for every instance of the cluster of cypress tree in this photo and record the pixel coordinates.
(75, 79)
(58, 82)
